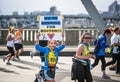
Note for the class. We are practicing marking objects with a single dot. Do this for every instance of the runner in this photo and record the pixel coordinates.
(10, 45)
(51, 53)
(18, 43)
(81, 63)
(100, 53)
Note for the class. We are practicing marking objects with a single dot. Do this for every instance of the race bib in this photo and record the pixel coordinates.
(51, 59)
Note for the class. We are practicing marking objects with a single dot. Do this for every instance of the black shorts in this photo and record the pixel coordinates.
(11, 50)
(18, 46)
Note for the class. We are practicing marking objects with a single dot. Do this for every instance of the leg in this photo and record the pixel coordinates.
(80, 72)
(114, 58)
(20, 51)
(49, 75)
(11, 54)
(88, 75)
(118, 64)
(16, 50)
(9, 57)
(96, 61)
(105, 76)
(103, 63)
(51, 80)
(113, 66)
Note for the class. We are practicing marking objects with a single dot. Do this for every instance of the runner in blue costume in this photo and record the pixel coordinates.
(51, 53)
(100, 55)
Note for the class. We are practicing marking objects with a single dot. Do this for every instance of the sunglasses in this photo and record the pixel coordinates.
(87, 37)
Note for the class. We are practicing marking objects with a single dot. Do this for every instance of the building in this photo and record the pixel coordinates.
(111, 17)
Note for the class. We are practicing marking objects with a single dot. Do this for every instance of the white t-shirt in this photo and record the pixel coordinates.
(114, 39)
(11, 42)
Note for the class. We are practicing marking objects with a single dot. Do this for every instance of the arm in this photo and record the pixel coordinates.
(8, 37)
(113, 41)
(63, 42)
(17, 34)
(62, 46)
(37, 38)
(116, 44)
(40, 48)
(59, 48)
(79, 52)
(37, 46)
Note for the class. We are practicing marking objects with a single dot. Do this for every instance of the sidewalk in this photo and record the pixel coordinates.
(67, 51)
(31, 47)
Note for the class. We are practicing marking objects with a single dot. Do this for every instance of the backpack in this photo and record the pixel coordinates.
(73, 71)
(97, 46)
(74, 68)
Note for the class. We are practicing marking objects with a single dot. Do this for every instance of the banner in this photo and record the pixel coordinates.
(51, 27)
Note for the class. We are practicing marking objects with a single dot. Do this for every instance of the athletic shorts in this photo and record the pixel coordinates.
(49, 75)
(18, 46)
(11, 50)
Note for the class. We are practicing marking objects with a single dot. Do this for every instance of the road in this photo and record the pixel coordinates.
(25, 70)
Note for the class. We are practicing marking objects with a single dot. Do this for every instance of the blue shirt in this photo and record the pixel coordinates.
(46, 51)
(103, 44)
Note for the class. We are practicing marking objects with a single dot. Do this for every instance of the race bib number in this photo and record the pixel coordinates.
(51, 59)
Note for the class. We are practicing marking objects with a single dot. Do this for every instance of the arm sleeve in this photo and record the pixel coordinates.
(40, 48)
(59, 48)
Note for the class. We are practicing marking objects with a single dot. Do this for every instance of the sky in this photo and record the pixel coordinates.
(65, 6)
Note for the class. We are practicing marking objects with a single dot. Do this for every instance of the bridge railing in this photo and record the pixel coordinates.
(72, 36)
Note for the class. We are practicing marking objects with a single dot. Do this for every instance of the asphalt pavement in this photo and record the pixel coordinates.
(25, 70)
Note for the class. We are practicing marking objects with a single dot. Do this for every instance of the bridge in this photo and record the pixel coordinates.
(95, 19)
(29, 35)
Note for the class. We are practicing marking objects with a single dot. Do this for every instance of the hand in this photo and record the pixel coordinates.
(92, 56)
(63, 35)
(37, 38)
(63, 42)
(38, 34)
(20, 41)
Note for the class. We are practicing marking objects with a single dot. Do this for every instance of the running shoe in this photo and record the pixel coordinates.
(14, 59)
(118, 73)
(4, 58)
(8, 63)
(112, 68)
(18, 57)
(105, 76)
(31, 55)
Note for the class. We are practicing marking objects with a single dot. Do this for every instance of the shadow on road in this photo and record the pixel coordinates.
(23, 67)
(99, 79)
(7, 71)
